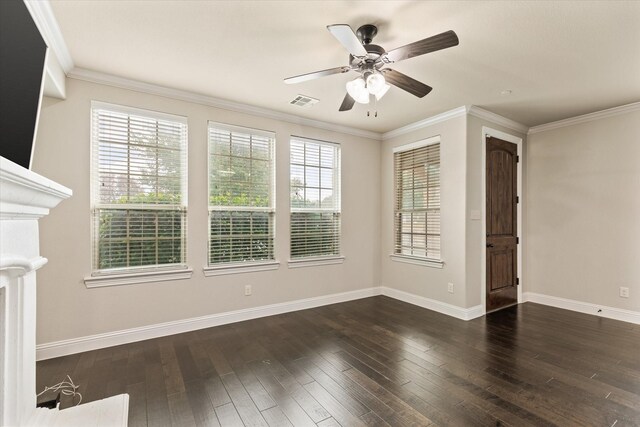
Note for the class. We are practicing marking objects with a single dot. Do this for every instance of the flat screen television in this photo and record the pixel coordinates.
(22, 58)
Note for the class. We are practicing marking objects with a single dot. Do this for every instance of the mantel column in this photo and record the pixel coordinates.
(25, 197)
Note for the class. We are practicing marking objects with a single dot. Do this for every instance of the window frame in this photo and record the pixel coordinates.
(143, 273)
(318, 260)
(396, 254)
(243, 266)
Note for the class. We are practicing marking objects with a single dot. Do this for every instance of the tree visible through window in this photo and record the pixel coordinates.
(138, 188)
(241, 202)
(315, 198)
(417, 203)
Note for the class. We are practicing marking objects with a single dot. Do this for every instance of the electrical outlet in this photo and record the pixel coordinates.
(450, 288)
(247, 290)
(624, 292)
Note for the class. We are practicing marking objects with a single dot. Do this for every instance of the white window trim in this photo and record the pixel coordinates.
(418, 144)
(315, 261)
(244, 266)
(408, 259)
(241, 129)
(143, 274)
(425, 262)
(138, 111)
(132, 278)
(238, 268)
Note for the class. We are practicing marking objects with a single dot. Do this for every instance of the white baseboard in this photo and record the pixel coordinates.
(109, 339)
(434, 305)
(584, 307)
(93, 342)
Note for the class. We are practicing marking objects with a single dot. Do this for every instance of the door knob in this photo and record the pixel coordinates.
(489, 245)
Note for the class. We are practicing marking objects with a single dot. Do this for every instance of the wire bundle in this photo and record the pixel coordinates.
(68, 388)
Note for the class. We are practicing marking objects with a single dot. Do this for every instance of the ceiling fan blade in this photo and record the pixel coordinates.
(405, 82)
(316, 75)
(430, 44)
(347, 103)
(347, 38)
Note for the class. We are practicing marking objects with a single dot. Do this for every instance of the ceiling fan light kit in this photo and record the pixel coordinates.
(375, 83)
(369, 60)
(382, 91)
(358, 91)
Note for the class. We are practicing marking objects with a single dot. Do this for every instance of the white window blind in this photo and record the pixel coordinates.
(417, 203)
(315, 198)
(241, 194)
(138, 197)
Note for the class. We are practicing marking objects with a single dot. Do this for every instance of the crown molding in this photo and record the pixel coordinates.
(46, 22)
(182, 95)
(610, 112)
(481, 113)
(429, 121)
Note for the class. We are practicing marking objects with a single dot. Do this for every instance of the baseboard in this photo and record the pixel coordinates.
(94, 342)
(584, 307)
(434, 305)
(109, 339)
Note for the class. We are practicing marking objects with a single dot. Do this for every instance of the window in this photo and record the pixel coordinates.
(241, 194)
(315, 198)
(139, 177)
(417, 199)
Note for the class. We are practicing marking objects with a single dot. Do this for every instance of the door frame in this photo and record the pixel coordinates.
(489, 132)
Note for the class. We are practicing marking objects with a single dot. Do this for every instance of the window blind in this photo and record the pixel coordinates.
(315, 198)
(139, 176)
(241, 194)
(417, 202)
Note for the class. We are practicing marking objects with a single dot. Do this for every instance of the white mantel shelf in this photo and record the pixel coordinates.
(25, 194)
(25, 197)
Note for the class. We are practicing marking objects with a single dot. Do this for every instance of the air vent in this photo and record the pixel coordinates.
(304, 101)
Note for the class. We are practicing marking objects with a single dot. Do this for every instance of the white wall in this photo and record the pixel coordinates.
(421, 280)
(583, 211)
(67, 309)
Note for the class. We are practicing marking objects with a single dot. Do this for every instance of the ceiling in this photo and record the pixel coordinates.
(559, 59)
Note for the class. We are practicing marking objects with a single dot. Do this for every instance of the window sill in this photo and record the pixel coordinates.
(314, 262)
(103, 280)
(220, 270)
(425, 262)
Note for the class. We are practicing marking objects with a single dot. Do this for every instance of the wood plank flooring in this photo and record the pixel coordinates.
(375, 362)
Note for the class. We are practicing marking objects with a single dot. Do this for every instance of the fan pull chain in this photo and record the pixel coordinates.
(375, 102)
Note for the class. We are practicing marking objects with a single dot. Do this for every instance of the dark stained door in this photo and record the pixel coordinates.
(502, 229)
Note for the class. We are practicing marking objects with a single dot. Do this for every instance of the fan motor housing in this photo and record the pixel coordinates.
(374, 52)
(366, 33)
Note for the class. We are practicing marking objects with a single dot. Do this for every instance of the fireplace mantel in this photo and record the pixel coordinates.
(25, 194)
(25, 197)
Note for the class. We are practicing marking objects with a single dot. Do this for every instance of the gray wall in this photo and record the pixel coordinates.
(424, 281)
(583, 211)
(67, 309)
(580, 211)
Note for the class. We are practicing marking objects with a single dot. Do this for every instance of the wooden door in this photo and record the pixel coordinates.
(502, 226)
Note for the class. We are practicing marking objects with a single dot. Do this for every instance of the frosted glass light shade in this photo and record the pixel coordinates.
(375, 83)
(382, 91)
(358, 91)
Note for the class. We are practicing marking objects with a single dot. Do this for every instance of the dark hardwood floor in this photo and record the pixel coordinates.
(375, 361)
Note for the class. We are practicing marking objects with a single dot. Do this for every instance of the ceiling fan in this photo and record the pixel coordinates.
(369, 60)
